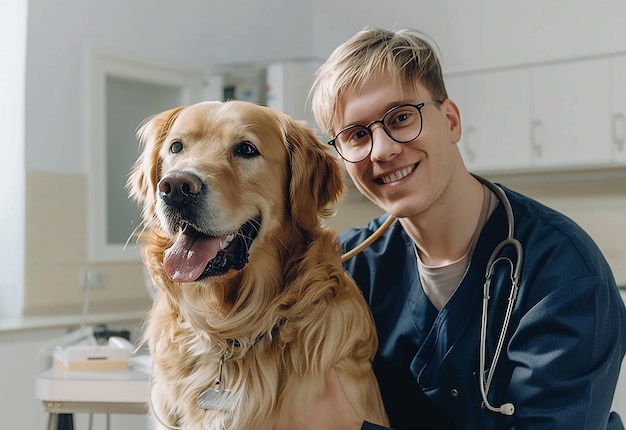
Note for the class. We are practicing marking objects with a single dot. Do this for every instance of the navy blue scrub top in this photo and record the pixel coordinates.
(565, 342)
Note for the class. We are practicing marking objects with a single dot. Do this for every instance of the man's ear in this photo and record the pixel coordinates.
(454, 119)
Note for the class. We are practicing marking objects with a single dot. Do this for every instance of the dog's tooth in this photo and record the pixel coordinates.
(226, 240)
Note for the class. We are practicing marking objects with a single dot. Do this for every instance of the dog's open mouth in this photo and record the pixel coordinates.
(195, 255)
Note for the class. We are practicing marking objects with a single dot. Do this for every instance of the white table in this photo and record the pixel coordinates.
(107, 391)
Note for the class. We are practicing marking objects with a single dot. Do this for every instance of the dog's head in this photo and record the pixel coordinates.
(215, 177)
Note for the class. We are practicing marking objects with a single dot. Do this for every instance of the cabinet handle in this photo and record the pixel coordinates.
(619, 130)
(535, 142)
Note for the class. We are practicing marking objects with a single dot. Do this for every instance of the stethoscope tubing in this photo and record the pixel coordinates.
(370, 239)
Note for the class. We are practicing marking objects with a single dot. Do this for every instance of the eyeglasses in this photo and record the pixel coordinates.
(402, 123)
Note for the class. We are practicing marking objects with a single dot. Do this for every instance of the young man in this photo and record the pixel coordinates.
(555, 362)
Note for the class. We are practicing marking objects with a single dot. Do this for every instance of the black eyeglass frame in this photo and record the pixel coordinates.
(368, 127)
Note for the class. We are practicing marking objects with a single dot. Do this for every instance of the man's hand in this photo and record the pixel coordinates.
(332, 411)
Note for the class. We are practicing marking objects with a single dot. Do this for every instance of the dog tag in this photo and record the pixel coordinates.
(215, 397)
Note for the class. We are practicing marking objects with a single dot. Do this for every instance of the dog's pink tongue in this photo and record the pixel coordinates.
(188, 257)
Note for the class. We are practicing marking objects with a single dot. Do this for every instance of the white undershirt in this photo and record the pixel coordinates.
(440, 282)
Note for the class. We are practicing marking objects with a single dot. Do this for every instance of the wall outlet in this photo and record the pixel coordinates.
(93, 278)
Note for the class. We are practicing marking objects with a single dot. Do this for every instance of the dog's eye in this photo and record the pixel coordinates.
(176, 147)
(246, 149)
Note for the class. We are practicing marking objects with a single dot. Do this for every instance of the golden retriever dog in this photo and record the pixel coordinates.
(253, 308)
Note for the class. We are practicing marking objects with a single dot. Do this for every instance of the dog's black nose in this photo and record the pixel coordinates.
(179, 188)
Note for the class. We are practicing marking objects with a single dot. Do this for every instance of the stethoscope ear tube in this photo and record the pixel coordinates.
(515, 274)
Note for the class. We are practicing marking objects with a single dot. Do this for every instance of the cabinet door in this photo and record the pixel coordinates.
(570, 111)
(494, 117)
(618, 109)
(288, 86)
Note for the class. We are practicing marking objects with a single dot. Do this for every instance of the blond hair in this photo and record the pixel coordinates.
(406, 56)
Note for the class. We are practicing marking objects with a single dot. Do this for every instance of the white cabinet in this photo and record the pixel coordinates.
(570, 114)
(283, 86)
(618, 108)
(288, 86)
(22, 358)
(567, 115)
(494, 119)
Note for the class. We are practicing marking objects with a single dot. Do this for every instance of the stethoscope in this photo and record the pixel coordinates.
(515, 273)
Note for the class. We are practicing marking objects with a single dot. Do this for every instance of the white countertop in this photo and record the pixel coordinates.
(125, 386)
(21, 323)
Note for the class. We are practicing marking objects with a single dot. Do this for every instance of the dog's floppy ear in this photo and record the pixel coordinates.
(144, 174)
(316, 182)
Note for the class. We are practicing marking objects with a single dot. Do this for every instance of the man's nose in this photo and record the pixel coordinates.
(383, 146)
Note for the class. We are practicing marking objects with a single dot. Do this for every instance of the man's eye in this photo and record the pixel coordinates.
(176, 147)
(354, 136)
(360, 134)
(400, 117)
(246, 150)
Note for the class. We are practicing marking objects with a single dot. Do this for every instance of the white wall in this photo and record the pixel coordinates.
(12, 206)
(484, 33)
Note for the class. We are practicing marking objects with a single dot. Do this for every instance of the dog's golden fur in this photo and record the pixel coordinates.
(291, 314)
